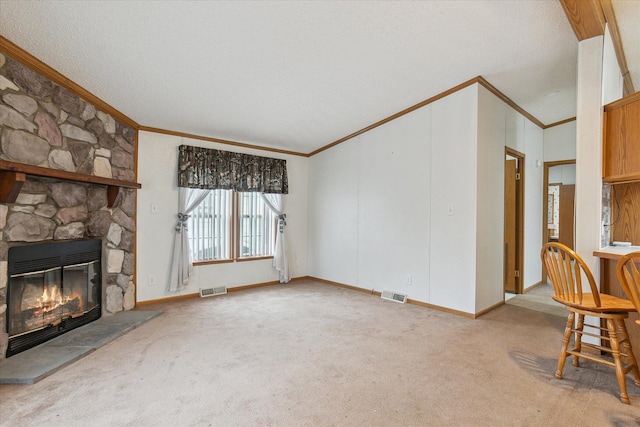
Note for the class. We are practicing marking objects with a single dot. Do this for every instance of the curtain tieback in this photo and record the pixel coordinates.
(182, 222)
(282, 222)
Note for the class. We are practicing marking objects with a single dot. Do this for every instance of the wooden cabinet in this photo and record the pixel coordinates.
(621, 167)
(621, 144)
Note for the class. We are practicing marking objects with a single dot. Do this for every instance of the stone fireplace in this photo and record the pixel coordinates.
(67, 175)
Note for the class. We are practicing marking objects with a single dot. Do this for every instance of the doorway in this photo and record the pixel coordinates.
(513, 220)
(559, 204)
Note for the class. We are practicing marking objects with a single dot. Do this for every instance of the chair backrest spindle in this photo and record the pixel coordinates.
(565, 269)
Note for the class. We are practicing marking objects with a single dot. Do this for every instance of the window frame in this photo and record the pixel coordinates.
(234, 236)
(229, 237)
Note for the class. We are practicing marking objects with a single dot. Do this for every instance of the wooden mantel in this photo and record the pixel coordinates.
(13, 176)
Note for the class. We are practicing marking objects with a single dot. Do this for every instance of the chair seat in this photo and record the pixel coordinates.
(608, 304)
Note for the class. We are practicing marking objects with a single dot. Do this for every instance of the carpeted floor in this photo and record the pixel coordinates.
(538, 299)
(310, 354)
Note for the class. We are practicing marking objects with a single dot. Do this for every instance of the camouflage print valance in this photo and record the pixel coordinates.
(216, 169)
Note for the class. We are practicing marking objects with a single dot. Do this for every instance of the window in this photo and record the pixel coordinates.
(257, 226)
(218, 226)
(210, 227)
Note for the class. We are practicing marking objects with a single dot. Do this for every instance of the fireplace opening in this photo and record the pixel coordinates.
(53, 288)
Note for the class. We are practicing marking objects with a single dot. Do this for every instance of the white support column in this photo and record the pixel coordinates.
(589, 151)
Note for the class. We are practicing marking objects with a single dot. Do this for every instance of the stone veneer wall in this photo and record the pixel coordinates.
(43, 124)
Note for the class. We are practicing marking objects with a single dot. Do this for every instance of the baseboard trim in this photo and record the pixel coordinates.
(167, 299)
(409, 301)
(342, 285)
(263, 284)
(197, 294)
(443, 309)
(488, 309)
(255, 285)
(532, 287)
(332, 283)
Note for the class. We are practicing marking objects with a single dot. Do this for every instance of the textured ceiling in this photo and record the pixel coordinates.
(628, 18)
(298, 75)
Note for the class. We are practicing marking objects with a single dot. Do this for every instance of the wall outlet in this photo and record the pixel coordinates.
(152, 280)
(408, 279)
(154, 208)
(451, 210)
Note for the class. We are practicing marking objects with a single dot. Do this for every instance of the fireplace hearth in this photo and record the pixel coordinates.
(53, 288)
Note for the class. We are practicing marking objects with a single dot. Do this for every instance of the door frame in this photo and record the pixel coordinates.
(519, 216)
(545, 205)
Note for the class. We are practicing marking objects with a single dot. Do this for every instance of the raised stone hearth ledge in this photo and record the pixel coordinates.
(39, 362)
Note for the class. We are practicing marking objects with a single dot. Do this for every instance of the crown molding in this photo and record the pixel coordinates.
(561, 122)
(479, 79)
(220, 141)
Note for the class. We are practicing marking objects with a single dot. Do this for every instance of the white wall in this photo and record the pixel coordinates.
(499, 126)
(612, 90)
(560, 142)
(393, 210)
(534, 194)
(612, 81)
(599, 82)
(369, 210)
(490, 221)
(423, 196)
(562, 174)
(454, 185)
(401, 201)
(514, 125)
(588, 199)
(157, 172)
(333, 213)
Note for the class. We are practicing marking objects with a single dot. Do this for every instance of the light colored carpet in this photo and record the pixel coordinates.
(539, 299)
(310, 354)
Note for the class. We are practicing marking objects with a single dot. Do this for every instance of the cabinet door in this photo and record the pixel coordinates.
(621, 154)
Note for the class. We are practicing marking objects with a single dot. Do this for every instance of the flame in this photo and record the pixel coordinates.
(52, 298)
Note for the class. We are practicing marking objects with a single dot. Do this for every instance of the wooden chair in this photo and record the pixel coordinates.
(566, 270)
(629, 277)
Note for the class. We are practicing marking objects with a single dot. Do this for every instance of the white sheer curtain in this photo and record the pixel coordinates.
(182, 262)
(275, 202)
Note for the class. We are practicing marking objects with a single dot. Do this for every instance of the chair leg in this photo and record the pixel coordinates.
(615, 352)
(565, 344)
(626, 343)
(578, 343)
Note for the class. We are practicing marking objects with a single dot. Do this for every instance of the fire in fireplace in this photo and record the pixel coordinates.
(53, 288)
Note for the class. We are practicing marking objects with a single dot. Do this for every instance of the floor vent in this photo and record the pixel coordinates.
(209, 292)
(394, 296)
